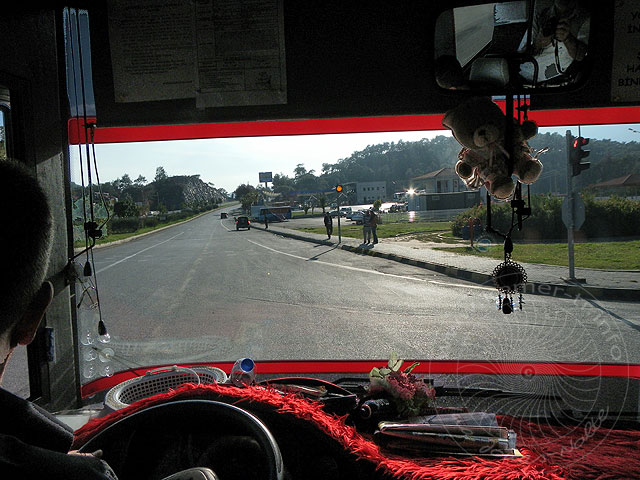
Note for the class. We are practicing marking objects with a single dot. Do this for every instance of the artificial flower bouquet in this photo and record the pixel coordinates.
(411, 396)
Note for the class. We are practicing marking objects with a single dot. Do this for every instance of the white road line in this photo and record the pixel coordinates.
(227, 229)
(375, 272)
(137, 253)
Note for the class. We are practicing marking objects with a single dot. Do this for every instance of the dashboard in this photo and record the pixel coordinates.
(317, 439)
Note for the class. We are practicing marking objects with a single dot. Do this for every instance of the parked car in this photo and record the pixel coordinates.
(243, 222)
(357, 217)
(333, 213)
(224, 215)
(398, 207)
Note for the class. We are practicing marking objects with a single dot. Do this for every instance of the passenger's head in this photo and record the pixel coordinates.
(25, 244)
(566, 5)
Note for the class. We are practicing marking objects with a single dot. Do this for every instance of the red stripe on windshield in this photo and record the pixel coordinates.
(544, 118)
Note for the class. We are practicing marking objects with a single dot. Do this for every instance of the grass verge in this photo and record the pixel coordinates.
(391, 229)
(602, 255)
(309, 214)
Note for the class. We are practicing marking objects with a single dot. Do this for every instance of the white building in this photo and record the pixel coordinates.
(369, 192)
(445, 180)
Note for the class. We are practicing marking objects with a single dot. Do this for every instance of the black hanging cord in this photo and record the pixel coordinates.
(87, 239)
(92, 228)
(84, 115)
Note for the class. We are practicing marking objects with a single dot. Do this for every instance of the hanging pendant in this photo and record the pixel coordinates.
(509, 278)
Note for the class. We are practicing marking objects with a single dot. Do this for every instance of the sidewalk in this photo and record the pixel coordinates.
(541, 279)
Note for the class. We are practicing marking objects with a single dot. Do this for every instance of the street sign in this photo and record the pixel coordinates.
(265, 177)
(578, 212)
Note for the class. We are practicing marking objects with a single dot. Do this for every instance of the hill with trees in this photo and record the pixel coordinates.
(164, 193)
(397, 163)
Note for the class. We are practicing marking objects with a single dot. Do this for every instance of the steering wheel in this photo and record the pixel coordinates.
(203, 418)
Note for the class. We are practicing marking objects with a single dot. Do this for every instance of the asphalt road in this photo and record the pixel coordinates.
(204, 291)
(224, 294)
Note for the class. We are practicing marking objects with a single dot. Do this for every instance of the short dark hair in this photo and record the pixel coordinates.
(25, 242)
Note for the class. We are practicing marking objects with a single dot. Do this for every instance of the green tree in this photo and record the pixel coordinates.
(308, 181)
(299, 171)
(244, 189)
(125, 181)
(248, 199)
(377, 204)
(140, 181)
(283, 184)
(322, 202)
(161, 174)
(125, 208)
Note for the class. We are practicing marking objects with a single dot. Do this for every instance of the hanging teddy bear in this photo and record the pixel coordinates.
(479, 126)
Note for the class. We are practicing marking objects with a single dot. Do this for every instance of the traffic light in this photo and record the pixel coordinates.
(339, 188)
(577, 154)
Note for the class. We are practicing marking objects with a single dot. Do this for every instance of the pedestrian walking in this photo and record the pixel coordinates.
(375, 220)
(328, 224)
(366, 226)
(266, 220)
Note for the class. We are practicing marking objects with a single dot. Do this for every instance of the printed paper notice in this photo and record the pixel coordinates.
(219, 52)
(625, 73)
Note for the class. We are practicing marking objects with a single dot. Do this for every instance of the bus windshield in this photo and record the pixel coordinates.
(202, 290)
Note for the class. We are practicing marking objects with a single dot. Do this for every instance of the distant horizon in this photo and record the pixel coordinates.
(229, 162)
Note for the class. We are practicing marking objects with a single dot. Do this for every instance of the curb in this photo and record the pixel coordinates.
(535, 288)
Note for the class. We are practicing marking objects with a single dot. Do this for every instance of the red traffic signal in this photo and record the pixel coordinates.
(580, 142)
(577, 154)
(339, 188)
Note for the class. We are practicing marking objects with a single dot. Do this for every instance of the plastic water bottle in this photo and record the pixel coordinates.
(243, 372)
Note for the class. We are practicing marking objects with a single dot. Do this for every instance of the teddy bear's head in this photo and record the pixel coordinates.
(476, 123)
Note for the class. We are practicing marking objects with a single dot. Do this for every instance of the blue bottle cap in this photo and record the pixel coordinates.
(247, 364)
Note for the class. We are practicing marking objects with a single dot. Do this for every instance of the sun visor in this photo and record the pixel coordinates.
(158, 63)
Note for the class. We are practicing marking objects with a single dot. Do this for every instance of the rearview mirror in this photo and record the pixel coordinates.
(518, 46)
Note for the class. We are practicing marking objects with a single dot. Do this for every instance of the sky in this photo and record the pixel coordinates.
(229, 162)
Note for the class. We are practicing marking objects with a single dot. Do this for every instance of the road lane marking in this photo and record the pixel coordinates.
(365, 270)
(137, 253)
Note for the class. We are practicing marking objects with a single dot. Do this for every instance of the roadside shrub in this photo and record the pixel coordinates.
(150, 222)
(124, 225)
(614, 217)
(462, 219)
(172, 217)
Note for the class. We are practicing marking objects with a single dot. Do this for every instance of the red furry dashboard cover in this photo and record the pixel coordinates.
(550, 452)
